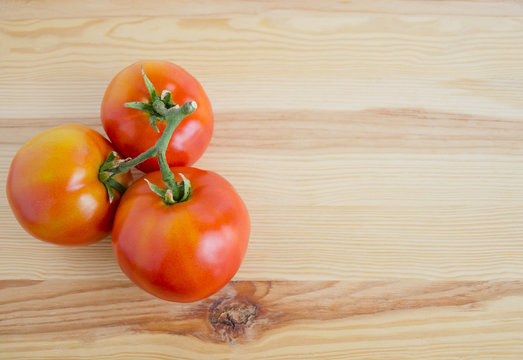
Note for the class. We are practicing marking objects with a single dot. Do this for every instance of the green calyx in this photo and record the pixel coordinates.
(151, 107)
(170, 197)
(106, 176)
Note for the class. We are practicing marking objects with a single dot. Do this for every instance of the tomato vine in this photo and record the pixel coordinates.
(159, 108)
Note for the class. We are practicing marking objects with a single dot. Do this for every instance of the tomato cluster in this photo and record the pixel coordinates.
(178, 232)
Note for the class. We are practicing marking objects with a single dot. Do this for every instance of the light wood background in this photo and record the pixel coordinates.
(377, 144)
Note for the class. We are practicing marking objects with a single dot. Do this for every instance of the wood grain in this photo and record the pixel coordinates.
(378, 146)
(380, 319)
(11, 9)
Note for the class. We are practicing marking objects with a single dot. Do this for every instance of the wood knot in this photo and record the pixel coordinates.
(231, 317)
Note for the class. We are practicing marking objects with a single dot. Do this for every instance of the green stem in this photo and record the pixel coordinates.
(161, 145)
(116, 185)
(173, 117)
(174, 192)
(128, 165)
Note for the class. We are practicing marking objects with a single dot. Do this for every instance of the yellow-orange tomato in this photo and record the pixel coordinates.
(186, 251)
(53, 186)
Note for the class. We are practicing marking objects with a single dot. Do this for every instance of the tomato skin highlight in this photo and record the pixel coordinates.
(187, 251)
(129, 129)
(53, 187)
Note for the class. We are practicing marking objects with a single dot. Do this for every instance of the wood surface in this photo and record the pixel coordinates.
(377, 144)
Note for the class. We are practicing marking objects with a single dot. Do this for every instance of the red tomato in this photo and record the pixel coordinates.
(130, 130)
(186, 251)
(53, 186)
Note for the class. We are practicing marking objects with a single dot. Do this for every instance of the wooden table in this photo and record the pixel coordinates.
(377, 144)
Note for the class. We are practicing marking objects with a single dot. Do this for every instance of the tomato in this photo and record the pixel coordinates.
(186, 251)
(53, 186)
(129, 129)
